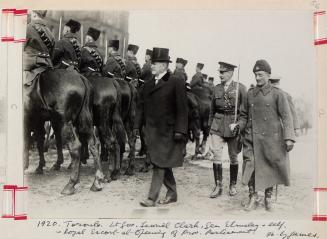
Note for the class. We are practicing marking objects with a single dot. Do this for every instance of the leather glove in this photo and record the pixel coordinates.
(235, 128)
(178, 136)
(289, 145)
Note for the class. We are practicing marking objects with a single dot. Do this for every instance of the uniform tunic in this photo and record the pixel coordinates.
(67, 51)
(114, 67)
(182, 73)
(197, 80)
(133, 69)
(222, 114)
(146, 72)
(91, 59)
(267, 122)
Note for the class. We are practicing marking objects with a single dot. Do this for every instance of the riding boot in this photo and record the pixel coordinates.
(218, 176)
(233, 169)
(268, 200)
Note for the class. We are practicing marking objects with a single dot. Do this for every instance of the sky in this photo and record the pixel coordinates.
(283, 38)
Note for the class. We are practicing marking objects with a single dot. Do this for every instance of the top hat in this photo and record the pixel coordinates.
(160, 55)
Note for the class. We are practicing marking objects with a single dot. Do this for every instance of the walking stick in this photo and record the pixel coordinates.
(276, 192)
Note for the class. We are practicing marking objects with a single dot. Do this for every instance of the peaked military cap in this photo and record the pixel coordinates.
(75, 26)
(133, 48)
(160, 55)
(262, 65)
(114, 44)
(224, 66)
(205, 76)
(210, 78)
(41, 13)
(94, 33)
(275, 79)
(148, 52)
(200, 65)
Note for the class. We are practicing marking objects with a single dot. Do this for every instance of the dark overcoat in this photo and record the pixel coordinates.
(267, 122)
(162, 107)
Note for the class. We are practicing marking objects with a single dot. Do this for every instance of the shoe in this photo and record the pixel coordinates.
(268, 204)
(232, 190)
(253, 203)
(167, 200)
(147, 203)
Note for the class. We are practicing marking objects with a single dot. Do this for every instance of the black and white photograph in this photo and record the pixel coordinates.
(164, 114)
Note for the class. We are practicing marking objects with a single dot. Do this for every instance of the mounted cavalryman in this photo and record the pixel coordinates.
(67, 51)
(115, 66)
(91, 59)
(38, 48)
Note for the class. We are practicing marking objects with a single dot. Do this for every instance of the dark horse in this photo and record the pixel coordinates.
(128, 111)
(199, 103)
(64, 98)
(106, 107)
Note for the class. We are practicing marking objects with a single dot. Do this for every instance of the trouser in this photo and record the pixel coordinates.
(162, 176)
(217, 145)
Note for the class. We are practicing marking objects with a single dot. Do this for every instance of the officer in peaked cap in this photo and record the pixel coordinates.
(197, 79)
(180, 68)
(91, 59)
(222, 114)
(268, 136)
(275, 81)
(166, 116)
(133, 69)
(115, 66)
(146, 72)
(67, 50)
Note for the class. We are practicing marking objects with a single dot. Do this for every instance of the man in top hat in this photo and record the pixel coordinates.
(275, 81)
(162, 107)
(180, 68)
(115, 66)
(197, 79)
(91, 59)
(222, 114)
(67, 50)
(133, 69)
(267, 123)
(38, 48)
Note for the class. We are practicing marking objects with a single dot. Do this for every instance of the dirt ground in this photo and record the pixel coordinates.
(120, 199)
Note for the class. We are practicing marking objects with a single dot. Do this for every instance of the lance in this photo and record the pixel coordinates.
(124, 42)
(60, 22)
(237, 89)
(106, 51)
(82, 39)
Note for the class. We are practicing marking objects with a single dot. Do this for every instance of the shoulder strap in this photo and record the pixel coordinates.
(94, 54)
(77, 47)
(121, 64)
(44, 37)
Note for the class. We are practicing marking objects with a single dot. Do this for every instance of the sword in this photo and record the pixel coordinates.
(237, 89)
(82, 39)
